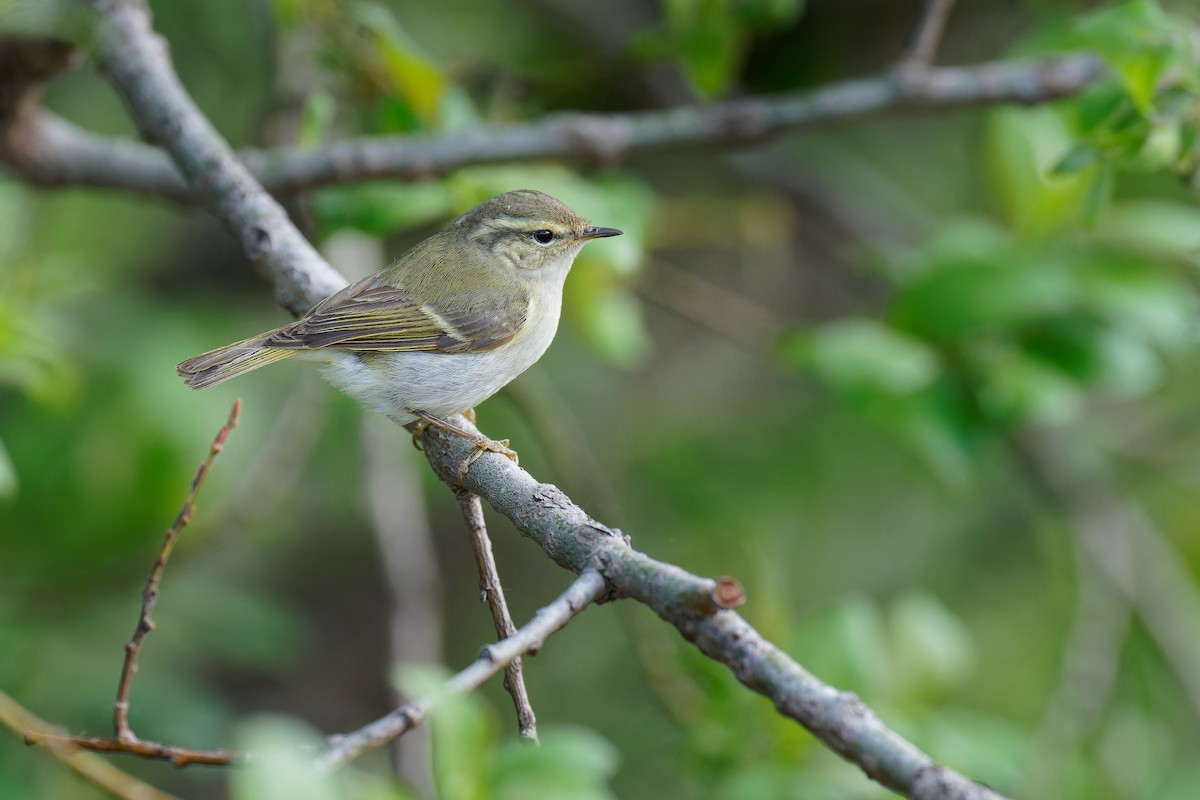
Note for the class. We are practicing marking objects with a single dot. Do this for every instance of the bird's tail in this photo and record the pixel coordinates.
(218, 366)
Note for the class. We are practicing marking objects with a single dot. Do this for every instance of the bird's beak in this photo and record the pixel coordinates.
(598, 233)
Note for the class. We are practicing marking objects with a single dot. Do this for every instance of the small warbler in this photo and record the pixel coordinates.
(448, 325)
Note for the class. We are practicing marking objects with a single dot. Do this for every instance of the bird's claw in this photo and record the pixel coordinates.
(486, 445)
(418, 428)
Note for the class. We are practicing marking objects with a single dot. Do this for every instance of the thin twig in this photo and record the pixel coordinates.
(178, 756)
(928, 34)
(586, 589)
(124, 739)
(492, 592)
(145, 624)
(91, 767)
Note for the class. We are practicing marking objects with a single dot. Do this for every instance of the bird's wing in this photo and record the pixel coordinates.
(369, 316)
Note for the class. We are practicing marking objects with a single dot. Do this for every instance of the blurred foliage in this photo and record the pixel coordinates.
(942, 287)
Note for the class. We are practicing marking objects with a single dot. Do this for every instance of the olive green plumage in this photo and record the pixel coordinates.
(452, 321)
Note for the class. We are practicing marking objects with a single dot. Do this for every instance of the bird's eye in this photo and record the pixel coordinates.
(543, 236)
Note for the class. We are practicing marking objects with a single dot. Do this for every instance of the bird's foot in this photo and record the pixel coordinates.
(486, 445)
(482, 443)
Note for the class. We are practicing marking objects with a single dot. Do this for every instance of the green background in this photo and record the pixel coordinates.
(924, 384)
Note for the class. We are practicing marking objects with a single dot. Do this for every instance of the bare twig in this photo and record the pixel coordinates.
(586, 589)
(178, 756)
(154, 582)
(928, 35)
(53, 152)
(124, 739)
(91, 767)
(492, 592)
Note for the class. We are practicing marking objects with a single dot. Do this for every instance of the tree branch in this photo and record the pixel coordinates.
(585, 590)
(701, 610)
(493, 594)
(136, 62)
(91, 767)
(928, 35)
(53, 152)
(124, 739)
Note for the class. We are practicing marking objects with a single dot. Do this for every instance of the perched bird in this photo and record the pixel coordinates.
(448, 325)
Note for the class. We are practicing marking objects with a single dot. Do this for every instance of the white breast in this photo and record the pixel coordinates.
(396, 384)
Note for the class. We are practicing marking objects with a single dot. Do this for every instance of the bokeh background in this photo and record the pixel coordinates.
(926, 385)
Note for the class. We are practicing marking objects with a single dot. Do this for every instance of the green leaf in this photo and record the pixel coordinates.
(1138, 40)
(1155, 229)
(413, 74)
(1024, 149)
(282, 766)
(994, 292)
(8, 474)
(381, 208)
(1159, 308)
(862, 356)
(570, 762)
(463, 734)
(932, 650)
(316, 118)
(611, 322)
(1081, 156)
(1017, 389)
(846, 645)
(709, 39)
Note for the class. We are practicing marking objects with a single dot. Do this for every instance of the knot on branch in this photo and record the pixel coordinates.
(743, 121)
(27, 63)
(549, 497)
(599, 140)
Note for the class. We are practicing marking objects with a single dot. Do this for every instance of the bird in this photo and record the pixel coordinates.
(450, 323)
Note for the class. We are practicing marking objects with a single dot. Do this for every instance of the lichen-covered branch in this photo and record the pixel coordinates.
(586, 589)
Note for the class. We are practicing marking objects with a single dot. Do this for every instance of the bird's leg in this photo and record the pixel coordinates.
(482, 443)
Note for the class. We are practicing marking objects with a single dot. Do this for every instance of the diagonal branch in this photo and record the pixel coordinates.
(136, 62)
(124, 739)
(701, 609)
(586, 589)
(91, 767)
(53, 152)
(928, 35)
(493, 593)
